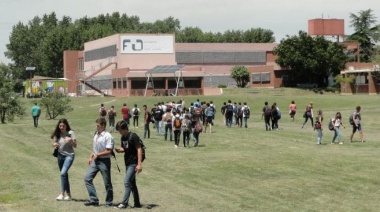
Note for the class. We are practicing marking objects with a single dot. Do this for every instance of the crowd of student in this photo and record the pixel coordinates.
(171, 120)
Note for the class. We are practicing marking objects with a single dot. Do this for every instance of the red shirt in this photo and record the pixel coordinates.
(125, 112)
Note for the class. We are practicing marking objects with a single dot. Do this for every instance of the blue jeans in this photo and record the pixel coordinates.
(336, 134)
(168, 127)
(64, 164)
(157, 126)
(245, 122)
(130, 185)
(35, 121)
(195, 138)
(146, 130)
(104, 166)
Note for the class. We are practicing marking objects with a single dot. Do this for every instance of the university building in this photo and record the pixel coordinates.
(153, 64)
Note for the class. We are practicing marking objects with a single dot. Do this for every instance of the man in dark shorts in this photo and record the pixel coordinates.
(356, 124)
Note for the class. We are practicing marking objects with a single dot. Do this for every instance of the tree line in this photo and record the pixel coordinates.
(41, 42)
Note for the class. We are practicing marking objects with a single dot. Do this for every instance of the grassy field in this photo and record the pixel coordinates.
(233, 169)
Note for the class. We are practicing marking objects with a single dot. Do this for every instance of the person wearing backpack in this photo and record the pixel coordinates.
(176, 125)
(229, 113)
(209, 114)
(356, 124)
(167, 119)
(276, 115)
(186, 130)
(337, 122)
(223, 111)
(196, 126)
(245, 110)
(102, 111)
(158, 112)
(111, 118)
(267, 115)
(133, 157)
(318, 127)
(308, 114)
(125, 112)
(239, 116)
(135, 114)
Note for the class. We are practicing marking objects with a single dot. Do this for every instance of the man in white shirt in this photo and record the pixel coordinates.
(100, 161)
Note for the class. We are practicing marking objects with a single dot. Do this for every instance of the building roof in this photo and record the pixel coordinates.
(267, 47)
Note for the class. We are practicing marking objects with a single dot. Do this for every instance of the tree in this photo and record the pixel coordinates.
(241, 75)
(367, 33)
(56, 104)
(10, 105)
(311, 59)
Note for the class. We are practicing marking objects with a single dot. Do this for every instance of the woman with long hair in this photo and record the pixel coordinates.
(65, 142)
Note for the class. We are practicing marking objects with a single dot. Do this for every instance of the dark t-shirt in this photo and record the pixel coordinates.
(130, 143)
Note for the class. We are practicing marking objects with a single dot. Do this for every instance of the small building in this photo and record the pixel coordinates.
(39, 84)
(366, 81)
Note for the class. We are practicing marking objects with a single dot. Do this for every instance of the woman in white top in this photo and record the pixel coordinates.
(65, 141)
(337, 122)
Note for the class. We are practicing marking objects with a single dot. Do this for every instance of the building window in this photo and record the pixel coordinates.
(125, 82)
(361, 79)
(261, 77)
(114, 83)
(81, 64)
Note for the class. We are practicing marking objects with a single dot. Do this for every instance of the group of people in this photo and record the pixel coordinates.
(334, 124)
(65, 141)
(235, 113)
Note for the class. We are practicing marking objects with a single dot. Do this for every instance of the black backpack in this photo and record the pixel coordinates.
(230, 108)
(135, 112)
(111, 114)
(141, 143)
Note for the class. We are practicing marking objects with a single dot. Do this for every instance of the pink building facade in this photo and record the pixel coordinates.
(124, 65)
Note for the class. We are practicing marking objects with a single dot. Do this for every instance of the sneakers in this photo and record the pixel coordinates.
(60, 197)
(67, 198)
(340, 142)
(120, 206)
(91, 203)
(175, 146)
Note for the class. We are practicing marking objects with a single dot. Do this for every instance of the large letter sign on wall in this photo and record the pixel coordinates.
(147, 44)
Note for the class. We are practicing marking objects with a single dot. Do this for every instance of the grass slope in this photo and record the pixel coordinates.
(232, 169)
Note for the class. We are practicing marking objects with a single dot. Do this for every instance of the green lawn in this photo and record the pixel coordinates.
(232, 169)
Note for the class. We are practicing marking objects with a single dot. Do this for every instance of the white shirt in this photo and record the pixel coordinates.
(101, 142)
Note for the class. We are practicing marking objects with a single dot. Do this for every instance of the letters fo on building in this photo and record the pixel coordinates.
(147, 44)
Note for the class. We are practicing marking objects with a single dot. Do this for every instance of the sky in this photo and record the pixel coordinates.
(281, 16)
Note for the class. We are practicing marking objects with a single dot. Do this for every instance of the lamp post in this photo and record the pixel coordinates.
(30, 70)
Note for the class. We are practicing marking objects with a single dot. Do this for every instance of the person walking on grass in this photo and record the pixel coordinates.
(308, 114)
(125, 113)
(176, 126)
(186, 130)
(356, 124)
(100, 161)
(111, 118)
(147, 120)
(337, 122)
(246, 113)
(267, 115)
(132, 149)
(292, 110)
(36, 112)
(318, 126)
(65, 141)
(167, 119)
(135, 114)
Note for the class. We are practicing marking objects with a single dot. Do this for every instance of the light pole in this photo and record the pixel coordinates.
(31, 70)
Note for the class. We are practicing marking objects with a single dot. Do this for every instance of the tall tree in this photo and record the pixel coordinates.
(311, 59)
(10, 104)
(367, 33)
